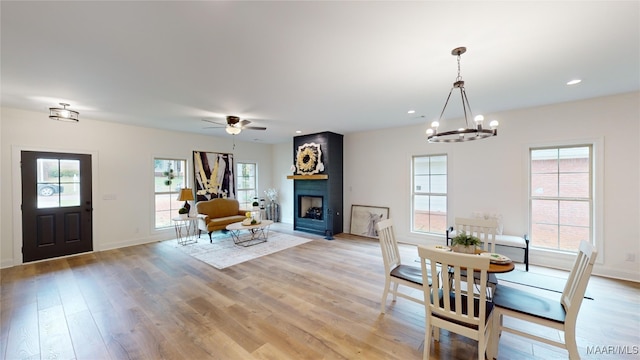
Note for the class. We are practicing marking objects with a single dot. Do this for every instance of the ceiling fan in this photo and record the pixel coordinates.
(234, 125)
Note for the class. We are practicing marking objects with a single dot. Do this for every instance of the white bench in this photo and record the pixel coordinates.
(511, 241)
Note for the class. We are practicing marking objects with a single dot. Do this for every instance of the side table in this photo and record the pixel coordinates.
(186, 229)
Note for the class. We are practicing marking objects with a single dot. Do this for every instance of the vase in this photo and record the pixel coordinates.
(273, 211)
(464, 249)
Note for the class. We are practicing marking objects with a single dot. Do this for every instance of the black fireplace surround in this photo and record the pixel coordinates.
(318, 203)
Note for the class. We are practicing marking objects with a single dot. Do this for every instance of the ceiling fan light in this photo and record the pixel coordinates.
(232, 130)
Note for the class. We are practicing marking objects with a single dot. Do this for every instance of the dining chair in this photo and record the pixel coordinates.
(485, 230)
(559, 314)
(454, 305)
(395, 272)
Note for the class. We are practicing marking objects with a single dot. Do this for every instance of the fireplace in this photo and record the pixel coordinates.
(317, 204)
(310, 207)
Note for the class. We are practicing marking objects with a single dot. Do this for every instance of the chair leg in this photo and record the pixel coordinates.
(210, 239)
(385, 293)
(395, 291)
(427, 339)
(494, 336)
(570, 342)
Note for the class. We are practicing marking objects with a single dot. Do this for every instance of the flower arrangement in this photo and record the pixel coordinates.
(272, 194)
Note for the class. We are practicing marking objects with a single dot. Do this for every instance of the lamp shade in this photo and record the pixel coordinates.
(185, 195)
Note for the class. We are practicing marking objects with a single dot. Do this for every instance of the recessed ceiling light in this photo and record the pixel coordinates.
(574, 82)
(298, 131)
(411, 112)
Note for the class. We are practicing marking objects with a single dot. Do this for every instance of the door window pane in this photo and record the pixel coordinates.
(58, 183)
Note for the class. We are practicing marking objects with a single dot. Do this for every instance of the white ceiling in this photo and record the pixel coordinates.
(311, 66)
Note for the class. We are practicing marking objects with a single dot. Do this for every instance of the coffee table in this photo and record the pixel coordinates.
(254, 234)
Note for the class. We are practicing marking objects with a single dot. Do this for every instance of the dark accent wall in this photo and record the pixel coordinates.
(331, 189)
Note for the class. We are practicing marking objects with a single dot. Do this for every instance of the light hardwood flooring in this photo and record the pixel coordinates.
(319, 300)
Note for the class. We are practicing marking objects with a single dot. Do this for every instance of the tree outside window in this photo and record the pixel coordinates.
(169, 177)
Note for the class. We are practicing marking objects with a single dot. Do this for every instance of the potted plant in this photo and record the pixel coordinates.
(184, 212)
(465, 243)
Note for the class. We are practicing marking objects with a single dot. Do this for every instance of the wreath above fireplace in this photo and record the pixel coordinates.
(309, 159)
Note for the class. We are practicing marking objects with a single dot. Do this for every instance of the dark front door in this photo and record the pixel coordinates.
(56, 204)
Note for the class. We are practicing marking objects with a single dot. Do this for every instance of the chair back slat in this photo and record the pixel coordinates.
(578, 279)
(484, 229)
(388, 244)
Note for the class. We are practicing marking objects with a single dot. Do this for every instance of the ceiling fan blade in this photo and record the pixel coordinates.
(254, 128)
(214, 122)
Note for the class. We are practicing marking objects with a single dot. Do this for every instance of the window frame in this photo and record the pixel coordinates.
(173, 192)
(596, 188)
(240, 180)
(415, 193)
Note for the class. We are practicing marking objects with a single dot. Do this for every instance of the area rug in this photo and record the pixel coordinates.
(223, 253)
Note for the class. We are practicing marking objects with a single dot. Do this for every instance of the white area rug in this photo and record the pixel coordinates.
(223, 252)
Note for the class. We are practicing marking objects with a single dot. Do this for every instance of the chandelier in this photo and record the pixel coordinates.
(63, 114)
(462, 134)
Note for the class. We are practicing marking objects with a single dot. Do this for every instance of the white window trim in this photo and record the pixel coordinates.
(559, 258)
(255, 164)
(152, 201)
(412, 193)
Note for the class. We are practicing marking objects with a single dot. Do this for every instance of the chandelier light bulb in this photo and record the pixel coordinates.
(478, 119)
(494, 124)
(435, 124)
(429, 132)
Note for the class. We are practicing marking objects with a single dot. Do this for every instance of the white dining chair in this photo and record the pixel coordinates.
(452, 304)
(559, 314)
(396, 273)
(485, 230)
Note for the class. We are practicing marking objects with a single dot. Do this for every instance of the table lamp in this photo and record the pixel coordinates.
(185, 195)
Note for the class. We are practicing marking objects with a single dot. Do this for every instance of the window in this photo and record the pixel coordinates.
(169, 177)
(561, 196)
(246, 181)
(429, 194)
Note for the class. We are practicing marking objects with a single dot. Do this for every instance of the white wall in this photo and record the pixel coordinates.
(492, 174)
(485, 175)
(122, 166)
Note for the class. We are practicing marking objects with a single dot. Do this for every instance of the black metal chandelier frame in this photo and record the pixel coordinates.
(469, 133)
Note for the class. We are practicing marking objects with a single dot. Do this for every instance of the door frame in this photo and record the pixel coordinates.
(16, 196)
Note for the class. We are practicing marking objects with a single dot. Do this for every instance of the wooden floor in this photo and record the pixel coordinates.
(319, 300)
